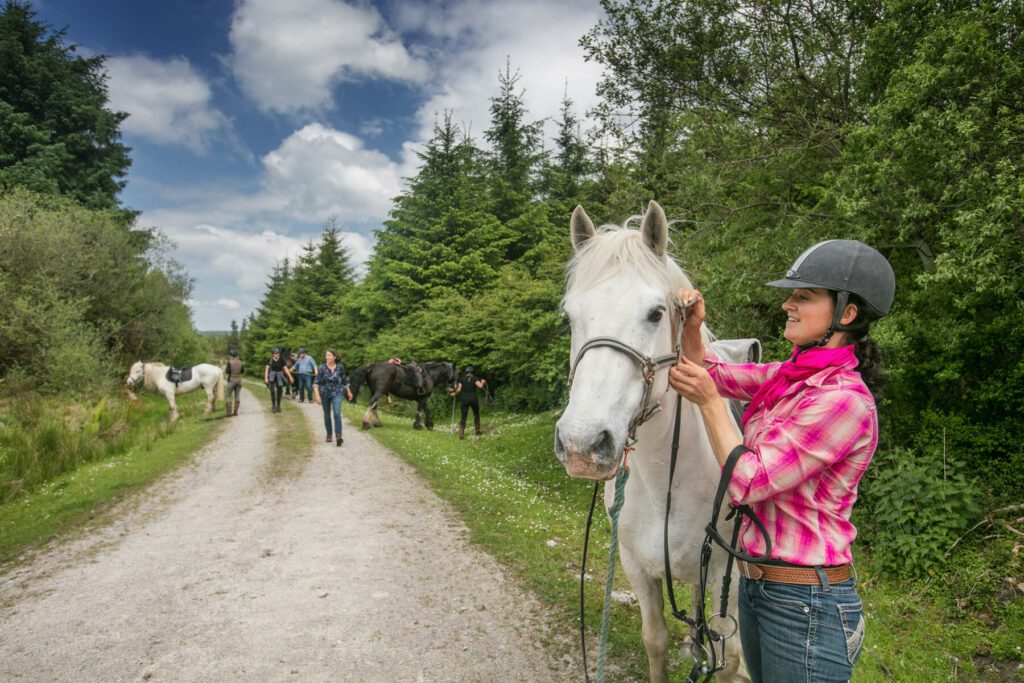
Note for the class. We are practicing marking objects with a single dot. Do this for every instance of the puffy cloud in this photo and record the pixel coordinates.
(539, 38)
(318, 171)
(167, 101)
(229, 304)
(288, 56)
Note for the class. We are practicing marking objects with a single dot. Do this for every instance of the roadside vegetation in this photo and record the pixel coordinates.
(524, 510)
(64, 466)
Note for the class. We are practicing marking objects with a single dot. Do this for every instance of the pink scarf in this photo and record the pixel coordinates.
(800, 366)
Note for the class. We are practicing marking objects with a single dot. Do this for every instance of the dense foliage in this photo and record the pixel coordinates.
(84, 292)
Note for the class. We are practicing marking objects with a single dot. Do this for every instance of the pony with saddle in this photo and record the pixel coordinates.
(171, 381)
(625, 323)
(385, 378)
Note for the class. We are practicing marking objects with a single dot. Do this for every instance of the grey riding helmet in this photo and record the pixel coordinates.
(846, 267)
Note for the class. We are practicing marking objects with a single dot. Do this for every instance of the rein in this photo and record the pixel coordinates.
(707, 662)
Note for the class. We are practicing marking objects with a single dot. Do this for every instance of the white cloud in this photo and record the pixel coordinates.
(229, 304)
(539, 38)
(318, 171)
(168, 101)
(288, 56)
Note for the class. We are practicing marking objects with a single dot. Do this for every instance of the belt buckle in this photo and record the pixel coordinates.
(752, 571)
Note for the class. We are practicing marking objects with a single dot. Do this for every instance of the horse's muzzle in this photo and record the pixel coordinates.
(599, 459)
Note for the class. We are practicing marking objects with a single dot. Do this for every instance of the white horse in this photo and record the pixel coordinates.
(154, 376)
(622, 285)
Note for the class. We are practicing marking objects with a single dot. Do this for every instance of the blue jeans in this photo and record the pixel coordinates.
(800, 633)
(332, 404)
(305, 382)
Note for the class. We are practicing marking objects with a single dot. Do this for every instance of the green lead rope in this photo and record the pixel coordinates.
(620, 497)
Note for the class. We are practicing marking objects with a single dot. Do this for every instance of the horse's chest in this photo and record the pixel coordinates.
(643, 538)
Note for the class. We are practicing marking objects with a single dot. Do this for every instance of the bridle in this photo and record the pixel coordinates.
(142, 375)
(648, 368)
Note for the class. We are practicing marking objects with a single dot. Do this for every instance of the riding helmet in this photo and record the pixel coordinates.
(845, 267)
(470, 368)
(233, 353)
(275, 350)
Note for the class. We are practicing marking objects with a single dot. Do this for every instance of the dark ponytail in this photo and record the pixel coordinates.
(868, 352)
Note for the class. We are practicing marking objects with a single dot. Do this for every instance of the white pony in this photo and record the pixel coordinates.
(622, 285)
(154, 376)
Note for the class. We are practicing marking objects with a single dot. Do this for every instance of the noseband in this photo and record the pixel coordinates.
(648, 368)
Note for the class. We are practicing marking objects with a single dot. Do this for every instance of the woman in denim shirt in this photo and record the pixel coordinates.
(331, 383)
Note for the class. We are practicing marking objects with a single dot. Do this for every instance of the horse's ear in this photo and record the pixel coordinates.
(654, 229)
(580, 227)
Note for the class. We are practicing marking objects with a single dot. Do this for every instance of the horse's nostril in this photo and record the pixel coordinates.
(604, 443)
(559, 446)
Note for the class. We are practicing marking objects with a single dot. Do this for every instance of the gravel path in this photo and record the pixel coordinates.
(347, 569)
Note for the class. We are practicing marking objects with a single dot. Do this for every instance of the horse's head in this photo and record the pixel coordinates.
(135, 374)
(450, 379)
(621, 287)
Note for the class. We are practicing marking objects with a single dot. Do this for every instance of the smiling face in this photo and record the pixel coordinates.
(808, 315)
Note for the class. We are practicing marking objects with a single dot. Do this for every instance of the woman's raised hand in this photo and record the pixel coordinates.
(693, 307)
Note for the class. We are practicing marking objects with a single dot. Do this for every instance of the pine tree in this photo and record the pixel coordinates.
(56, 135)
(516, 152)
(233, 340)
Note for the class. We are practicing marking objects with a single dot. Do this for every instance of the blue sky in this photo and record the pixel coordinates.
(252, 122)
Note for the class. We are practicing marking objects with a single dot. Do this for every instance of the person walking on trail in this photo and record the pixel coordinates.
(291, 388)
(468, 388)
(233, 374)
(275, 375)
(304, 370)
(808, 436)
(331, 383)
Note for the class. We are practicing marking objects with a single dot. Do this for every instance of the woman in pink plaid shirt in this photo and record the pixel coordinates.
(809, 432)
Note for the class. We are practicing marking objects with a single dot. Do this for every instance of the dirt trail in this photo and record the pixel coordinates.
(350, 570)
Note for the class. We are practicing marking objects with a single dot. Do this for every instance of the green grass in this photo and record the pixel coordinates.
(293, 440)
(515, 497)
(75, 498)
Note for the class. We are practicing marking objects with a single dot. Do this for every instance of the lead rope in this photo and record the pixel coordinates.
(620, 496)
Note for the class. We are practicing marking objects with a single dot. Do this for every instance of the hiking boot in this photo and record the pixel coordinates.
(340, 440)
(227, 409)
(329, 438)
(477, 425)
(462, 431)
(235, 411)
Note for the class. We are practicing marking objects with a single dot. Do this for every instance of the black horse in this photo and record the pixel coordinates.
(383, 378)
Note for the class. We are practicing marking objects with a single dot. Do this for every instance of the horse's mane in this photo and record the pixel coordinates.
(620, 250)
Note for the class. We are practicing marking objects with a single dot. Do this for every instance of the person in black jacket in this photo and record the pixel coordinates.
(275, 375)
(468, 388)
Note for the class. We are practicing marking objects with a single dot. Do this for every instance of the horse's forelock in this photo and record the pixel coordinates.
(620, 251)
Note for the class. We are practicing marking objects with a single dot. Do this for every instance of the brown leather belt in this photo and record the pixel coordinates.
(803, 576)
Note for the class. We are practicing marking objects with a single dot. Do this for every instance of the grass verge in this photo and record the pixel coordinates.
(523, 509)
(76, 498)
(293, 441)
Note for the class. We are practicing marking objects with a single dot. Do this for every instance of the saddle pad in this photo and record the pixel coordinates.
(737, 351)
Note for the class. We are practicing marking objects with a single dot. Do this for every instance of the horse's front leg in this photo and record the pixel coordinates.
(210, 400)
(426, 414)
(172, 404)
(655, 630)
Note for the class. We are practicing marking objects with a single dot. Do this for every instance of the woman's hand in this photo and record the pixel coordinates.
(692, 381)
(348, 392)
(693, 308)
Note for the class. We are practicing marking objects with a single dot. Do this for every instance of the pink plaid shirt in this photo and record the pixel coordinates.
(807, 455)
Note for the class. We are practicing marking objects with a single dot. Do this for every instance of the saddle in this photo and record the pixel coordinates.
(179, 375)
(415, 376)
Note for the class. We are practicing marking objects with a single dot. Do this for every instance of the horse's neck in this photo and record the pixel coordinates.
(696, 470)
(154, 371)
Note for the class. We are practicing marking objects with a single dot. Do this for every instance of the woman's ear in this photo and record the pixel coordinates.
(849, 314)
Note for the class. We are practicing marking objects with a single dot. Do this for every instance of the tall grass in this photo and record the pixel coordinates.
(41, 439)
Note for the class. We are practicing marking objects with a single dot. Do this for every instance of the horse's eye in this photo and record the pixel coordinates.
(655, 315)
